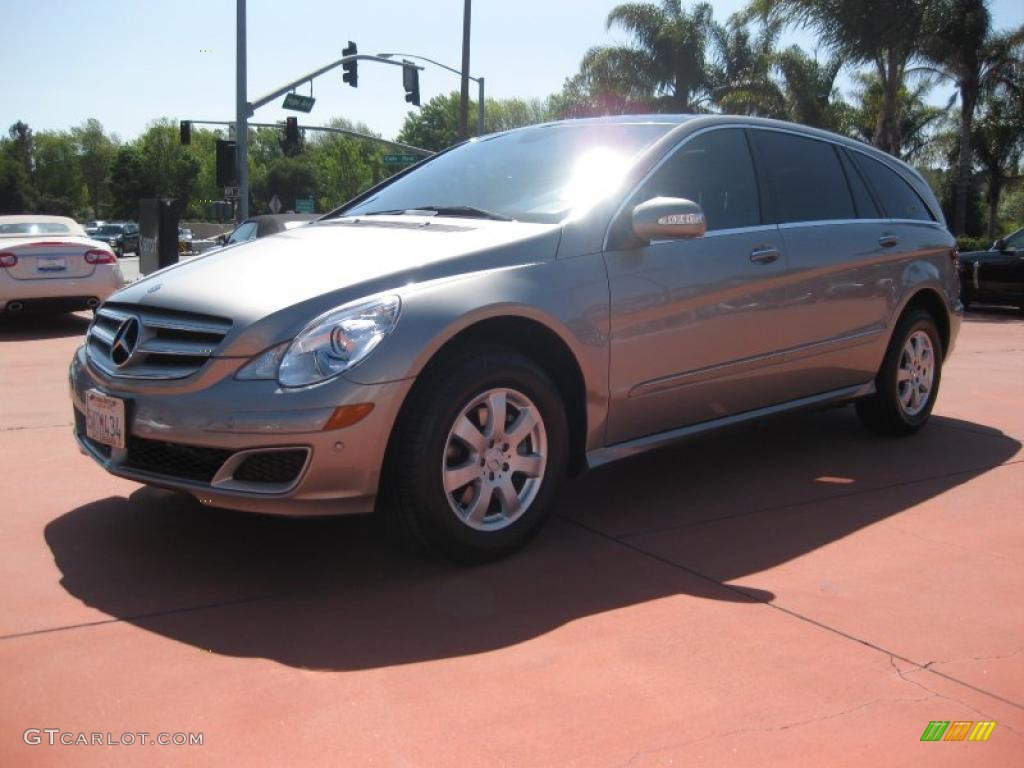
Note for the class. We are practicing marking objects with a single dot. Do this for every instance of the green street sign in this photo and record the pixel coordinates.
(400, 159)
(304, 205)
(298, 102)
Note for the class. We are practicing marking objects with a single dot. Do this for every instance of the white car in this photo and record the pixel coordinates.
(48, 262)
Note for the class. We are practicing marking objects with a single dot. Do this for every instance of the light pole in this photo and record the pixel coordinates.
(242, 111)
(478, 80)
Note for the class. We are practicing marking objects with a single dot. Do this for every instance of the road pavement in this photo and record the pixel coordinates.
(796, 592)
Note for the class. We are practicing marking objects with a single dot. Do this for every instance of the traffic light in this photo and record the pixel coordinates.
(411, 81)
(186, 131)
(351, 68)
(291, 130)
(227, 164)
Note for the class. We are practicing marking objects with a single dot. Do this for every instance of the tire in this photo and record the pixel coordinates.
(907, 383)
(445, 436)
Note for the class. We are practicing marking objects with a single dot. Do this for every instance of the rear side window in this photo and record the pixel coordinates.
(862, 200)
(714, 170)
(802, 178)
(898, 199)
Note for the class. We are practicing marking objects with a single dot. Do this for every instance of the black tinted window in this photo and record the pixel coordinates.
(896, 196)
(866, 208)
(802, 177)
(715, 171)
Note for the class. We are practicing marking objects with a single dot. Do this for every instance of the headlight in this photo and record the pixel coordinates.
(328, 346)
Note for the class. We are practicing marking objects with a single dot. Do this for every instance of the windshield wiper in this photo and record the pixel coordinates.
(467, 211)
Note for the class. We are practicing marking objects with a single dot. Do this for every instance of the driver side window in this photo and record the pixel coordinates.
(1015, 242)
(714, 170)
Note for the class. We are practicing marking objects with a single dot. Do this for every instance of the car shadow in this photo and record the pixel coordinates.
(29, 326)
(334, 594)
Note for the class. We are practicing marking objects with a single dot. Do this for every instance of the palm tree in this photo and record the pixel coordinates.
(917, 121)
(999, 139)
(742, 73)
(883, 33)
(809, 89)
(667, 63)
(963, 49)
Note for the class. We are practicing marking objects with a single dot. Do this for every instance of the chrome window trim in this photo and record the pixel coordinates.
(824, 222)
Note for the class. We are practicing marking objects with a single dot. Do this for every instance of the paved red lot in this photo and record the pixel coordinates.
(795, 592)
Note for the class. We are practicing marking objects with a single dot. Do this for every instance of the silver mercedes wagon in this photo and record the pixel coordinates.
(449, 345)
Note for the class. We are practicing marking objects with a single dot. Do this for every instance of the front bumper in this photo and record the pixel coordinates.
(104, 280)
(193, 438)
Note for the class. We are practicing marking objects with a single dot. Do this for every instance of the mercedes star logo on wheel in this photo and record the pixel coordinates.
(125, 340)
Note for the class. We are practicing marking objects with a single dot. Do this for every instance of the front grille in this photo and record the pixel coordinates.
(188, 462)
(271, 467)
(166, 344)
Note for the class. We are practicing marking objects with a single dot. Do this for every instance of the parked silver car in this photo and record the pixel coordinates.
(450, 344)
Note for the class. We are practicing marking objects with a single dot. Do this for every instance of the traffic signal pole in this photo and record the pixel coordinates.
(244, 109)
(242, 112)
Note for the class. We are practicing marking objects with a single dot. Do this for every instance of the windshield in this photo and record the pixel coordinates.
(35, 228)
(109, 229)
(245, 231)
(537, 174)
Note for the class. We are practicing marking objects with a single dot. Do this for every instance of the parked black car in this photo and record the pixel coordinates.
(995, 276)
(122, 236)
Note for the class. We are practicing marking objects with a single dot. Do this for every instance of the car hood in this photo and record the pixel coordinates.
(323, 265)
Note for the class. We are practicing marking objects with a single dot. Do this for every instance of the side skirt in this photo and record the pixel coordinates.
(618, 451)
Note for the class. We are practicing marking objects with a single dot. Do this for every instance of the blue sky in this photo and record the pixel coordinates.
(127, 62)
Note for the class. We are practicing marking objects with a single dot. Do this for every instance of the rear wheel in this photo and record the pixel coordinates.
(908, 382)
(476, 464)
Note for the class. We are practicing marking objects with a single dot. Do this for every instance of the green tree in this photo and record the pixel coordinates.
(168, 168)
(883, 33)
(127, 182)
(999, 144)
(96, 152)
(809, 90)
(742, 75)
(667, 62)
(435, 125)
(16, 192)
(965, 50)
(917, 121)
(57, 174)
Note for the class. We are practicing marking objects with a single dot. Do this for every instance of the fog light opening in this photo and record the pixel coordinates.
(347, 415)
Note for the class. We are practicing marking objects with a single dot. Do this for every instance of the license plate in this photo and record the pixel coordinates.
(51, 265)
(104, 418)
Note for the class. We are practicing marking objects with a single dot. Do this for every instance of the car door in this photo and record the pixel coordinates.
(1001, 273)
(691, 333)
(836, 297)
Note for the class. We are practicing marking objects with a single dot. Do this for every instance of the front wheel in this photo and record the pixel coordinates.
(908, 382)
(477, 461)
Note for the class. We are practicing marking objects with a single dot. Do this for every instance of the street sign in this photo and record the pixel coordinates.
(298, 102)
(232, 192)
(275, 204)
(400, 159)
(304, 205)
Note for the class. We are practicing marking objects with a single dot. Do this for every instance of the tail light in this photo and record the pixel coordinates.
(99, 257)
(8, 259)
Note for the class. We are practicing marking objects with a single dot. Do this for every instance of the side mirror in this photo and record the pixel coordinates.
(999, 245)
(221, 239)
(668, 218)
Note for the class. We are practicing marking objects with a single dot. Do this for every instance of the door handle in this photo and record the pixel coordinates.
(764, 255)
(888, 241)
